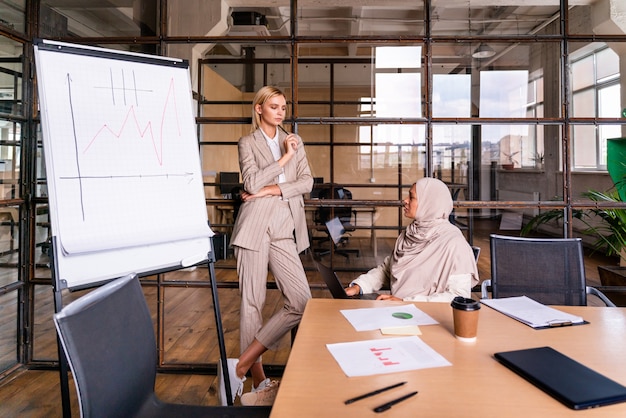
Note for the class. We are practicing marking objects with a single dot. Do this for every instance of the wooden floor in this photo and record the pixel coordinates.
(191, 334)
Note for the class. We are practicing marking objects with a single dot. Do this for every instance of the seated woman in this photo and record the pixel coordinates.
(431, 260)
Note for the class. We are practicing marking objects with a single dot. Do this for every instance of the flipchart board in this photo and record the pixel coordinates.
(122, 163)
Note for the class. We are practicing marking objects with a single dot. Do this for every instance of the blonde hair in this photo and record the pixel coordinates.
(265, 93)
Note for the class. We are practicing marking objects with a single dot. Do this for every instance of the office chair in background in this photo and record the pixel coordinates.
(108, 338)
(227, 182)
(548, 270)
(338, 223)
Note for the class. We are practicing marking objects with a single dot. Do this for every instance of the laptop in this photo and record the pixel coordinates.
(335, 286)
(568, 381)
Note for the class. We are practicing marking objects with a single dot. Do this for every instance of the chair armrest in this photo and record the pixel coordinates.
(484, 294)
(593, 291)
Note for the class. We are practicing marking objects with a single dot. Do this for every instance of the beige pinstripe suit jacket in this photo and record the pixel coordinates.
(258, 169)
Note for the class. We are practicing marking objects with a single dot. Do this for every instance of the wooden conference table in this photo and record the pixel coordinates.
(476, 385)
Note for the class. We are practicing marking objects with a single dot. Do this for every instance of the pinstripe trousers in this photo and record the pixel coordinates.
(279, 254)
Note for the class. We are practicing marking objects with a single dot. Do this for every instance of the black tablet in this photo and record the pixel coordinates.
(572, 383)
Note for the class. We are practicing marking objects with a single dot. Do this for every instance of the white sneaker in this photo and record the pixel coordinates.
(263, 395)
(236, 383)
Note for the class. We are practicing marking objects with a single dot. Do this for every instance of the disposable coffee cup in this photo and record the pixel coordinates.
(465, 314)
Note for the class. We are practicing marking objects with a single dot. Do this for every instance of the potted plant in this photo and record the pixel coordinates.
(611, 232)
(611, 235)
(510, 164)
(538, 160)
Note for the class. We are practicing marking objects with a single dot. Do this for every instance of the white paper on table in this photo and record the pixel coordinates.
(388, 355)
(367, 319)
(531, 312)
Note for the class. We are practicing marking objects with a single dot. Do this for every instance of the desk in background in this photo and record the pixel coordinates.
(224, 210)
(476, 385)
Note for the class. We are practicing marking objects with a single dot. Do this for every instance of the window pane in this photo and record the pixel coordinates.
(380, 163)
(608, 107)
(465, 18)
(44, 333)
(609, 102)
(452, 95)
(10, 136)
(11, 68)
(319, 159)
(503, 94)
(398, 57)
(583, 104)
(608, 64)
(110, 19)
(8, 330)
(354, 101)
(513, 146)
(376, 18)
(311, 74)
(13, 14)
(398, 95)
(583, 74)
(452, 154)
(585, 146)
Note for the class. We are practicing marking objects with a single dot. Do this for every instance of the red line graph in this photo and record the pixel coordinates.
(131, 118)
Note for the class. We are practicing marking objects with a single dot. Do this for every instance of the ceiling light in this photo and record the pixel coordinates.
(483, 51)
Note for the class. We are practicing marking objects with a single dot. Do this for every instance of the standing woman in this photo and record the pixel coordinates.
(269, 233)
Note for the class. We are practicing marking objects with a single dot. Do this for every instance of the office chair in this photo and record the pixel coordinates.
(344, 213)
(108, 338)
(476, 251)
(339, 237)
(227, 182)
(338, 223)
(548, 270)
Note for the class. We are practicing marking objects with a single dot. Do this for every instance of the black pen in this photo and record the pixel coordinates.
(376, 392)
(389, 404)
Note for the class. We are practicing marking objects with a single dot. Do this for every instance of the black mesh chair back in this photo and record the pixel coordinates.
(548, 270)
(108, 339)
(344, 213)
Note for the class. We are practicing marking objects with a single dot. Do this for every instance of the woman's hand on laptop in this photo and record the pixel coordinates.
(353, 290)
(387, 297)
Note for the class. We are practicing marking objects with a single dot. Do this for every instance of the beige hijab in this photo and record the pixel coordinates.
(431, 249)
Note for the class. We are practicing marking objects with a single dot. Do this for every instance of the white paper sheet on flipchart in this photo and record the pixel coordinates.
(387, 355)
(367, 319)
(530, 312)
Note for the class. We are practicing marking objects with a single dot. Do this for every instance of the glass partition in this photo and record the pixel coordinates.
(462, 18)
(377, 18)
(129, 19)
(13, 15)
(8, 330)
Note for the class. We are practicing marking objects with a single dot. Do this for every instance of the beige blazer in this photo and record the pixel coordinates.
(258, 169)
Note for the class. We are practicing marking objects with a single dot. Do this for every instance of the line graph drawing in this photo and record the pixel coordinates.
(131, 117)
(113, 136)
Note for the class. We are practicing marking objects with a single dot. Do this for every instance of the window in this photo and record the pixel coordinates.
(595, 94)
